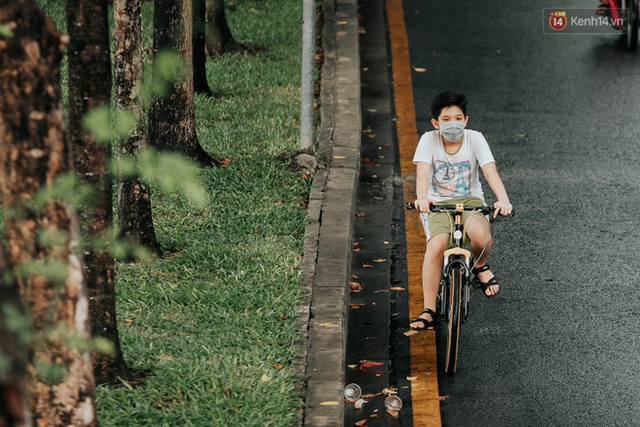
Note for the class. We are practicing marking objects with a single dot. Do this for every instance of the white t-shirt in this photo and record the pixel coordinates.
(454, 175)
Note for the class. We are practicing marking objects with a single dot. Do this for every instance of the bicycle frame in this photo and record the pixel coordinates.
(456, 279)
(457, 254)
(456, 257)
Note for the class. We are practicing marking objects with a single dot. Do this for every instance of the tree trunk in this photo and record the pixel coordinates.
(90, 87)
(14, 406)
(135, 219)
(172, 116)
(33, 155)
(200, 83)
(219, 37)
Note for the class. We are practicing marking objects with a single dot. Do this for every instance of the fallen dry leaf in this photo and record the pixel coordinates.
(379, 260)
(409, 333)
(442, 398)
(392, 413)
(356, 306)
(390, 391)
(329, 403)
(419, 70)
(397, 288)
(365, 365)
(359, 403)
(362, 423)
(355, 286)
(367, 266)
(369, 395)
(412, 378)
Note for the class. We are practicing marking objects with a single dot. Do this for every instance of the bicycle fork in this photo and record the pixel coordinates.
(456, 256)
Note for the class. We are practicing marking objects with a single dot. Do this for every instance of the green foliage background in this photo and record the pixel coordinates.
(213, 322)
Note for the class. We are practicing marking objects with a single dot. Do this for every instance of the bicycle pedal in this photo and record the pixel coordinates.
(475, 283)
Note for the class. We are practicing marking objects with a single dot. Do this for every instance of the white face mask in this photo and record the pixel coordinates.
(453, 131)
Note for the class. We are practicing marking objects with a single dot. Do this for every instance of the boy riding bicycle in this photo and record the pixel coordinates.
(447, 161)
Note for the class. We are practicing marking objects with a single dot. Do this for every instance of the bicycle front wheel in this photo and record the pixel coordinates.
(454, 306)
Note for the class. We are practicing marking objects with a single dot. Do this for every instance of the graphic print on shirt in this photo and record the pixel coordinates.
(452, 179)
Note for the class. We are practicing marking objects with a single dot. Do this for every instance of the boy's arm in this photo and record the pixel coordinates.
(423, 175)
(503, 205)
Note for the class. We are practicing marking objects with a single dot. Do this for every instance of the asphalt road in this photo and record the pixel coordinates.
(560, 346)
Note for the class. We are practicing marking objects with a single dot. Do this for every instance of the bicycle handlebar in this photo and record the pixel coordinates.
(448, 208)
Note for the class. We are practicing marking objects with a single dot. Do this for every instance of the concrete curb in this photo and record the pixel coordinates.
(329, 230)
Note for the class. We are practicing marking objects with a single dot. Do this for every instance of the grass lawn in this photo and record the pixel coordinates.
(214, 321)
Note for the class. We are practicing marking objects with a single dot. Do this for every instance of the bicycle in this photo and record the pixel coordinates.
(623, 15)
(455, 286)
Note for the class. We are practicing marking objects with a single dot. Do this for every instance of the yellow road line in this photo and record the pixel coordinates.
(424, 389)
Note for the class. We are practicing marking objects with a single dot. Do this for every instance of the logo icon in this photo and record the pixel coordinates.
(558, 20)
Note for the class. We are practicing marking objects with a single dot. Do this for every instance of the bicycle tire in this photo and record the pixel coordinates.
(466, 299)
(632, 25)
(442, 301)
(453, 319)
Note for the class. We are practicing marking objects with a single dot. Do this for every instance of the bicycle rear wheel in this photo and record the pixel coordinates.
(454, 304)
(632, 24)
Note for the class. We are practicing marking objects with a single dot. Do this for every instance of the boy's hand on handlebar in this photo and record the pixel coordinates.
(422, 205)
(503, 208)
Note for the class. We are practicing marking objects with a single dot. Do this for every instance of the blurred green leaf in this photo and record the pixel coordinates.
(106, 126)
(122, 249)
(50, 373)
(51, 238)
(172, 173)
(5, 31)
(17, 322)
(98, 123)
(52, 269)
(67, 187)
(103, 345)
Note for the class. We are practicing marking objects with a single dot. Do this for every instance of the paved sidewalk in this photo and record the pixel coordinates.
(329, 231)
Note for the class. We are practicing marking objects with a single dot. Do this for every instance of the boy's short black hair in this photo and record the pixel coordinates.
(446, 99)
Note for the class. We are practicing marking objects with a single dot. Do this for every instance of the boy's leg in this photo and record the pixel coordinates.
(477, 228)
(431, 273)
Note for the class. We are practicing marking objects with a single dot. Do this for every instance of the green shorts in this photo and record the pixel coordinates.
(442, 222)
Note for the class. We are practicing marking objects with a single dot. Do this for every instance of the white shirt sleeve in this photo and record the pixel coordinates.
(424, 151)
(481, 150)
